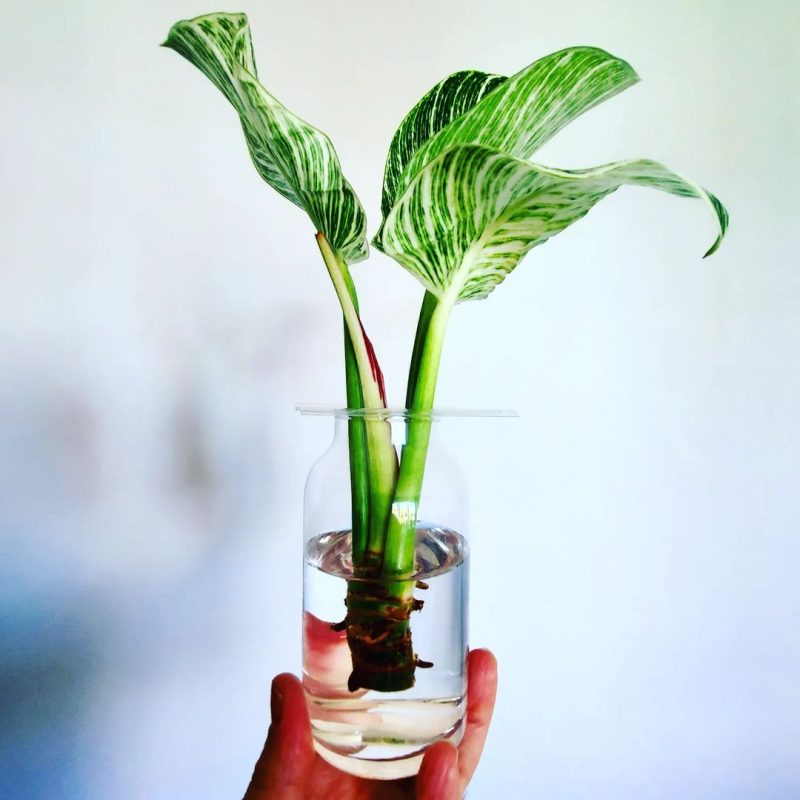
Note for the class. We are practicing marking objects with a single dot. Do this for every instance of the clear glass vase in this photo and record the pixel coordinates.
(364, 731)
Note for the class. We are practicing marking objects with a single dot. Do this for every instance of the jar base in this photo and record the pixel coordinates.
(382, 769)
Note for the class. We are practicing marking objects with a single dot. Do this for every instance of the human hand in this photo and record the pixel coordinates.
(290, 769)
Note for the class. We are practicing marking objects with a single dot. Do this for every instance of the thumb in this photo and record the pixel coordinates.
(283, 765)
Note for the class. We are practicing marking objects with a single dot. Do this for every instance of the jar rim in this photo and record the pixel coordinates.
(318, 410)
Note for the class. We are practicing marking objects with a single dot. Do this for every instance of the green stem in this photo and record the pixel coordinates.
(357, 444)
(429, 302)
(398, 556)
(357, 441)
(381, 456)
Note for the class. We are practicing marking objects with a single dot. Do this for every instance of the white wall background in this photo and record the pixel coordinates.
(635, 533)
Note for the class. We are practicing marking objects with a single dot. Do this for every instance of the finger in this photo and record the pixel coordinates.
(288, 753)
(438, 777)
(481, 693)
(327, 662)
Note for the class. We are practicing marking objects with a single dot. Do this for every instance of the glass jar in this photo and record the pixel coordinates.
(383, 730)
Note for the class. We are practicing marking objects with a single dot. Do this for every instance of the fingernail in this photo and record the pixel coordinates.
(276, 703)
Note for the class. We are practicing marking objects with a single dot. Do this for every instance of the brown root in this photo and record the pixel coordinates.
(379, 635)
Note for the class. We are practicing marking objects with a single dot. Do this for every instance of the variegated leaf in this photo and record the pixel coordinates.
(449, 99)
(526, 110)
(469, 217)
(295, 158)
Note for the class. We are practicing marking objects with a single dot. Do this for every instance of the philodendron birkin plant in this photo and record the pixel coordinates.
(463, 202)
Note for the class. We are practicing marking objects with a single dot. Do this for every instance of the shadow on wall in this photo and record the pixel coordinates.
(48, 662)
(120, 541)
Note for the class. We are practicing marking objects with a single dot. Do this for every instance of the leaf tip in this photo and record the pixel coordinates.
(172, 33)
(633, 76)
(718, 241)
(724, 221)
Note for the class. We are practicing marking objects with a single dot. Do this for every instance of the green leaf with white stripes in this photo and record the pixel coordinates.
(449, 99)
(470, 216)
(295, 158)
(522, 113)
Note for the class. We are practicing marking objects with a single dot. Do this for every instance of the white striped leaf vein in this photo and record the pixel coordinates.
(292, 156)
(472, 214)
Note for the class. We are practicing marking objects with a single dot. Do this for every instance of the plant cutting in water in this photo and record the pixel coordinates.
(462, 205)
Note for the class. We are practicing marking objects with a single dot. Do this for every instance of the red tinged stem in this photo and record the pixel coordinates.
(377, 374)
